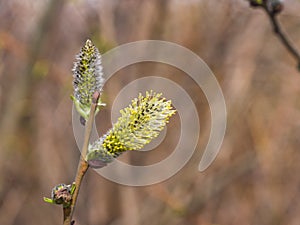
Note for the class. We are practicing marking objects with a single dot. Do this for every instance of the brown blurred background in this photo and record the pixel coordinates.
(255, 178)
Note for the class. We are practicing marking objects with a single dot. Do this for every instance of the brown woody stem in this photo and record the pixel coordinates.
(82, 165)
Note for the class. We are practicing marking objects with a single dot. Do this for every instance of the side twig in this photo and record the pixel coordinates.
(83, 165)
(283, 38)
(273, 8)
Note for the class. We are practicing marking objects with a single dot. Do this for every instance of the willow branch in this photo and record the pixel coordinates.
(82, 165)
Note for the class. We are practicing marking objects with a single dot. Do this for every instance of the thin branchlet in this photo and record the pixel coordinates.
(273, 8)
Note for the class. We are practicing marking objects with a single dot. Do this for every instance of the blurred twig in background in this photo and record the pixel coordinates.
(13, 113)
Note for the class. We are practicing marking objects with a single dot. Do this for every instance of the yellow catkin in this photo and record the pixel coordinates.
(139, 123)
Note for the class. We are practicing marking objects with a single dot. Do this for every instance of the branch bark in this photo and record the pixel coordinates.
(82, 165)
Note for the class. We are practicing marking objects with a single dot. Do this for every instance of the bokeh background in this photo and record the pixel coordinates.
(255, 178)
